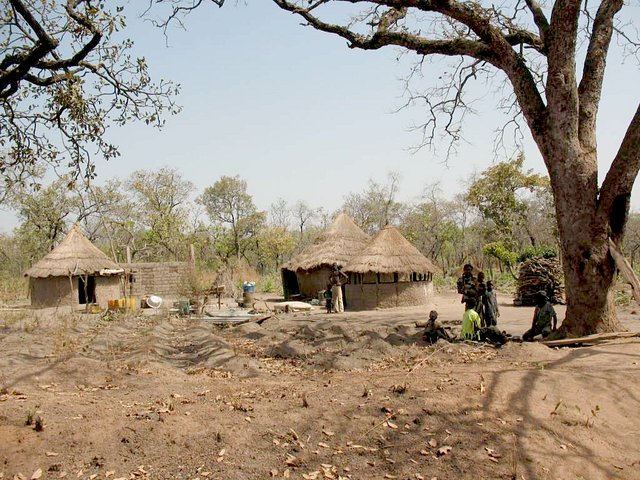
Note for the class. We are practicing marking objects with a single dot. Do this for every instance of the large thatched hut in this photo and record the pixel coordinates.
(308, 272)
(389, 272)
(75, 272)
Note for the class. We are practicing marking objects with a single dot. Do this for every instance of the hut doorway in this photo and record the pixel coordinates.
(290, 285)
(86, 290)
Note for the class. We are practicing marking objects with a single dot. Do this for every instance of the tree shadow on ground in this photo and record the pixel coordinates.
(531, 386)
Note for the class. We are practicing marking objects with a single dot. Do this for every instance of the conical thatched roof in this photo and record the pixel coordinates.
(75, 255)
(390, 252)
(341, 241)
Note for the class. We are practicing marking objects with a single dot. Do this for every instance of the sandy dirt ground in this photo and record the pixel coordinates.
(310, 396)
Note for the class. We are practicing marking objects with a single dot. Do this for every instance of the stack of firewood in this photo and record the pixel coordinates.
(540, 275)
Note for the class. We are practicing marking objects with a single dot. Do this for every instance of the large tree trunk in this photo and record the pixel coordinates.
(589, 269)
(589, 277)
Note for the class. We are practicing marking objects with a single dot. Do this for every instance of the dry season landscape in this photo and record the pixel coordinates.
(310, 396)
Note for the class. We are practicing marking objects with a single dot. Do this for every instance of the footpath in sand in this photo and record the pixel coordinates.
(310, 396)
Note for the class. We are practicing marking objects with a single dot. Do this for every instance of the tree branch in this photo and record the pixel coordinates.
(590, 87)
(561, 81)
(492, 45)
(539, 18)
(623, 172)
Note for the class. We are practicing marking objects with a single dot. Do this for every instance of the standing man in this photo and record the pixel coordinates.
(491, 311)
(481, 291)
(337, 279)
(467, 285)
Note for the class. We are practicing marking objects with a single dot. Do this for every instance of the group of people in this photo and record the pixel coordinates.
(480, 318)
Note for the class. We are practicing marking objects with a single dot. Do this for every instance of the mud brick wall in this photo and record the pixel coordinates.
(165, 279)
(63, 291)
(388, 295)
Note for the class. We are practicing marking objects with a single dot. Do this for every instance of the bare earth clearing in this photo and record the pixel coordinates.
(354, 395)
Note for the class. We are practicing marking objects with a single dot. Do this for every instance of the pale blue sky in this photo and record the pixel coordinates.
(300, 116)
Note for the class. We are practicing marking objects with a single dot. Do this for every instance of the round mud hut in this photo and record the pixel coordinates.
(308, 272)
(389, 272)
(75, 272)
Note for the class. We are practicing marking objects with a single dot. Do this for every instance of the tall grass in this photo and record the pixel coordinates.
(13, 289)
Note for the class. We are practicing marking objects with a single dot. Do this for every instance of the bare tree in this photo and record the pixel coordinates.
(280, 213)
(377, 205)
(303, 214)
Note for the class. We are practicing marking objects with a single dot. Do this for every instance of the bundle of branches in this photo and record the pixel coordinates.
(536, 275)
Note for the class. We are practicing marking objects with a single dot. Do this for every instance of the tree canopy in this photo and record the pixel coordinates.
(66, 75)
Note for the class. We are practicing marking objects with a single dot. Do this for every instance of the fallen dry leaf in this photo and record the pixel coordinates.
(444, 450)
(37, 474)
(492, 453)
(328, 433)
(433, 443)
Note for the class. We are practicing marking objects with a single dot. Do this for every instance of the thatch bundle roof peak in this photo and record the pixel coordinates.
(75, 255)
(390, 252)
(336, 245)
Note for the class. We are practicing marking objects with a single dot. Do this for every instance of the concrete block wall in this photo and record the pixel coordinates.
(165, 279)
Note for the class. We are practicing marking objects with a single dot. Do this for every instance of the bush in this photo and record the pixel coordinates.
(270, 283)
(543, 251)
(13, 288)
(442, 283)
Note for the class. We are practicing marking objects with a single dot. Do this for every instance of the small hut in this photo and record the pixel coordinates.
(389, 272)
(75, 272)
(308, 272)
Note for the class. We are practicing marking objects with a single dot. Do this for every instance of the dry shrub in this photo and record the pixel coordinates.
(13, 289)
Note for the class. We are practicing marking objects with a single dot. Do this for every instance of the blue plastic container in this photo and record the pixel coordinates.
(249, 287)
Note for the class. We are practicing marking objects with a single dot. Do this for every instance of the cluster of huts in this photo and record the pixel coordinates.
(76, 272)
(384, 271)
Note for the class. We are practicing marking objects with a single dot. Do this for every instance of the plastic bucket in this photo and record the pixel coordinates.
(132, 303)
(153, 301)
(247, 299)
(249, 287)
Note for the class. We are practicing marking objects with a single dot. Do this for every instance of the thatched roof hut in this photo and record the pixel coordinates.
(74, 272)
(389, 272)
(308, 272)
(390, 252)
